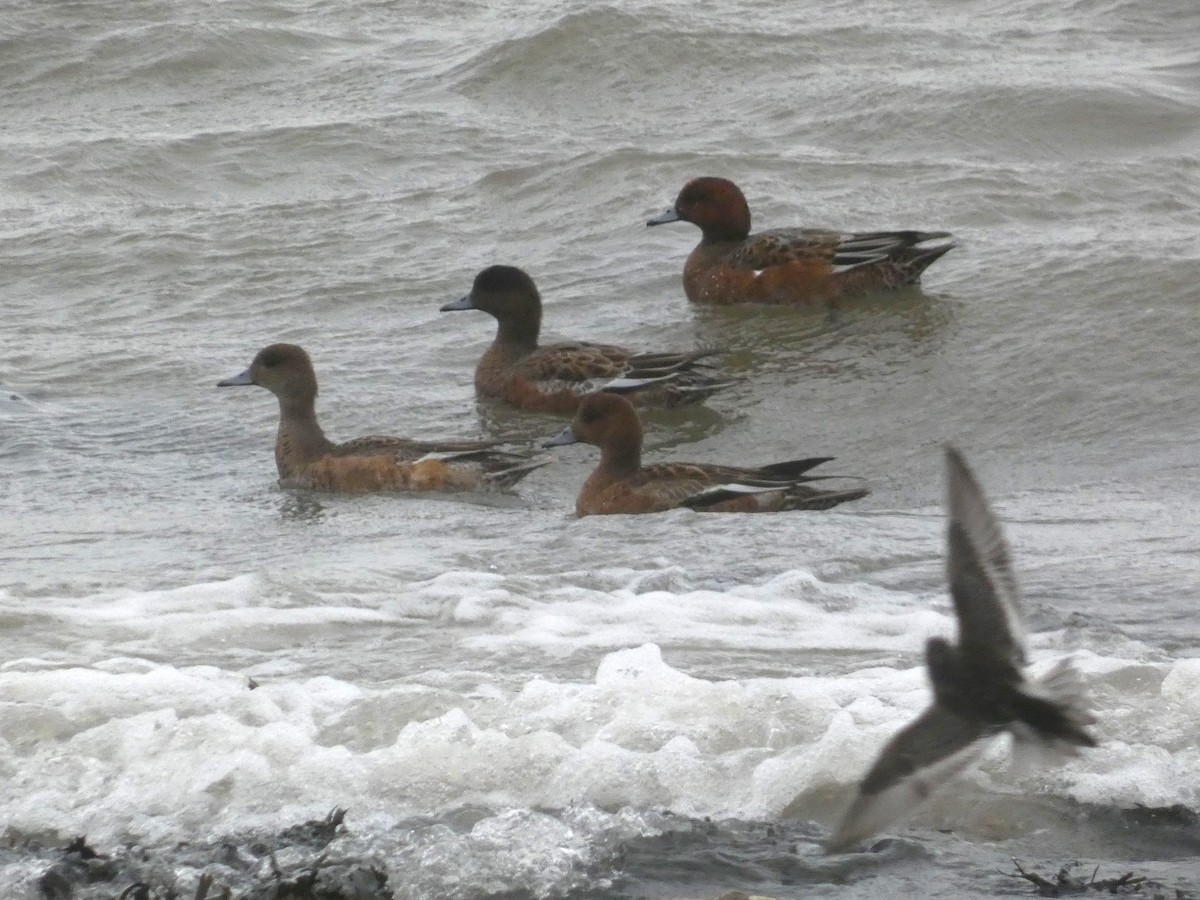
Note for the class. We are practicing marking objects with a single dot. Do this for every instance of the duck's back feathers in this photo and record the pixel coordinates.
(388, 464)
(881, 259)
(553, 378)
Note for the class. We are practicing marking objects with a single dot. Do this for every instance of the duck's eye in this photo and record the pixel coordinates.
(270, 360)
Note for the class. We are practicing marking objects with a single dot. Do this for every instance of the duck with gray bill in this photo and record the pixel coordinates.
(306, 458)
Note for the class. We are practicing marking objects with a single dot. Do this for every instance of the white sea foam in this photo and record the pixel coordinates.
(127, 748)
(793, 611)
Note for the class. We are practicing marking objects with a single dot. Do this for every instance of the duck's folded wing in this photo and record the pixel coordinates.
(404, 449)
(774, 476)
(627, 385)
(868, 248)
(497, 467)
(922, 757)
(979, 567)
(575, 363)
(783, 246)
(716, 484)
(719, 493)
(794, 468)
(670, 484)
(794, 494)
(650, 365)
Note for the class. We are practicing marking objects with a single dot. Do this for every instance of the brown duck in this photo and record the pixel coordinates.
(306, 458)
(621, 484)
(792, 265)
(554, 377)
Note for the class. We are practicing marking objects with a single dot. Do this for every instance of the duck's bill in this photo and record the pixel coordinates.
(564, 437)
(460, 303)
(237, 380)
(667, 215)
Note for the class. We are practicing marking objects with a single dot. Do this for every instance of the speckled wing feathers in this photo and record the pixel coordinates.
(574, 362)
(580, 367)
(670, 483)
(784, 245)
(466, 462)
(842, 251)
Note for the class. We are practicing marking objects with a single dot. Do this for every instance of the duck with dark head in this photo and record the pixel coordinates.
(554, 377)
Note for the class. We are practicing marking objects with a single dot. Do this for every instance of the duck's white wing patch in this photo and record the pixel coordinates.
(721, 492)
(625, 385)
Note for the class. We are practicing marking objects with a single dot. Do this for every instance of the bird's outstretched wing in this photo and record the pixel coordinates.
(920, 758)
(979, 567)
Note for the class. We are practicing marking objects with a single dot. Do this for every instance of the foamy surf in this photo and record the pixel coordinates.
(130, 750)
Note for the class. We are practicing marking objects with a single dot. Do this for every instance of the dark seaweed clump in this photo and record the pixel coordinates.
(1065, 884)
(232, 869)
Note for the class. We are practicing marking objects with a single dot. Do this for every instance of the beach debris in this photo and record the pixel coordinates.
(1066, 884)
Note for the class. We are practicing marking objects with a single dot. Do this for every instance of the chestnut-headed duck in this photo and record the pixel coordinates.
(306, 458)
(621, 484)
(553, 377)
(788, 265)
(980, 687)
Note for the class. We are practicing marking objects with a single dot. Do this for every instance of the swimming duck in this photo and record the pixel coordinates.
(306, 458)
(621, 484)
(553, 377)
(792, 265)
(979, 688)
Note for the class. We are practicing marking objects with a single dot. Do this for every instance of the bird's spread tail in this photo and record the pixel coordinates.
(1052, 712)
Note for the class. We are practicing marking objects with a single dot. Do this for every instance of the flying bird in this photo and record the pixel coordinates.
(979, 689)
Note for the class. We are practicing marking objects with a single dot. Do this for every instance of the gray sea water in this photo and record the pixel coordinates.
(510, 701)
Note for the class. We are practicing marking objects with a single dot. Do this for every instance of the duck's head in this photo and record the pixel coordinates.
(716, 205)
(605, 420)
(506, 292)
(283, 369)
